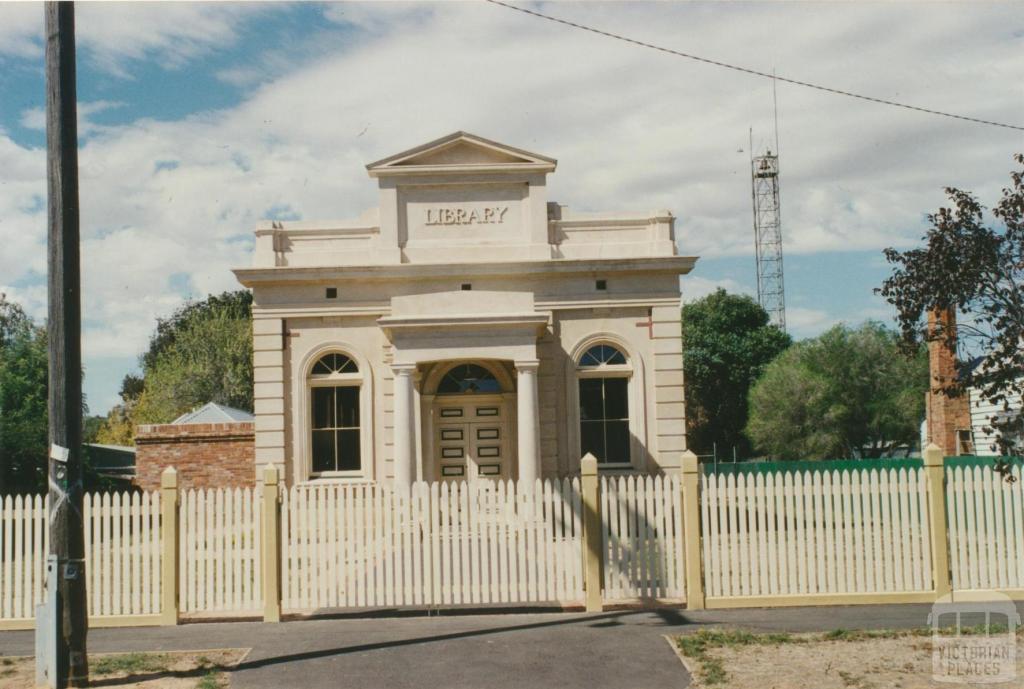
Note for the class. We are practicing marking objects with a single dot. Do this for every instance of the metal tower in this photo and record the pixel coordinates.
(764, 172)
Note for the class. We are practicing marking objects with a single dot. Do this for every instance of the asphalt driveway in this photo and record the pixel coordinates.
(505, 651)
(535, 650)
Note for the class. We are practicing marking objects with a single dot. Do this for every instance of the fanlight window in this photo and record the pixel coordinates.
(468, 379)
(334, 363)
(602, 355)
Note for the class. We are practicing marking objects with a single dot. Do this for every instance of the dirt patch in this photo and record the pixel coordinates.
(170, 670)
(799, 661)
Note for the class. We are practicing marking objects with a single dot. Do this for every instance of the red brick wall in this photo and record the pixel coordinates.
(205, 455)
(946, 415)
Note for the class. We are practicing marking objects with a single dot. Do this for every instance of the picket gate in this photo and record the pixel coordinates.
(219, 541)
(438, 544)
(642, 531)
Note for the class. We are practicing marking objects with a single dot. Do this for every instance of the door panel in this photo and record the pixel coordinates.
(471, 439)
(452, 444)
(487, 450)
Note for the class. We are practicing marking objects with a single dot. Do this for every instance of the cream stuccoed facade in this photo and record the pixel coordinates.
(466, 328)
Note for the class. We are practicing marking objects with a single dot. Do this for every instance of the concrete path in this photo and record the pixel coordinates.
(617, 649)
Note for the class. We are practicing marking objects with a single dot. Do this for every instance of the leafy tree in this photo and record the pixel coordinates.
(116, 428)
(728, 341)
(235, 306)
(91, 427)
(848, 394)
(202, 353)
(23, 397)
(976, 270)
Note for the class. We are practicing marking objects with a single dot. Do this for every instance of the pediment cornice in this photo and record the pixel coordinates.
(461, 152)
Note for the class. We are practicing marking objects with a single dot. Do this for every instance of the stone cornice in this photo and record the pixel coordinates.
(400, 164)
(448, 169)
(457, 321)
(383, 307)
(284, 275)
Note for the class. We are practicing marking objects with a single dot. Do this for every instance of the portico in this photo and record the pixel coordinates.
(487, 330)
(467, 329)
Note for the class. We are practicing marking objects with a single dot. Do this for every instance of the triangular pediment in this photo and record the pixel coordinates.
(461, 152)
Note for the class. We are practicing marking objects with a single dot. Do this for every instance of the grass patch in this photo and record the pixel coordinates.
(866, 634)
(700, 645)
(213, 679)
(711, 670)
(129, 663)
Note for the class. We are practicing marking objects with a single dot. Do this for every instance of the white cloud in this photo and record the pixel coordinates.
(696, 287)
(803, 322)
(21, 29)
(632, 129)
(35, 118)
(112, 35)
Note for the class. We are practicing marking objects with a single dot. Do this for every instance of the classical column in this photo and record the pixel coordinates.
(528, 420)
(405, 453)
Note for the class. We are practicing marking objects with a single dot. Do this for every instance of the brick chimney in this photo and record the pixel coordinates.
(946, 415)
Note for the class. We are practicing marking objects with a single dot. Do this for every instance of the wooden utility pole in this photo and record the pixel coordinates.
(64, 329)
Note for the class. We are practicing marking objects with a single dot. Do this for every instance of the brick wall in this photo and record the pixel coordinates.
(946, 415)
(205, 455)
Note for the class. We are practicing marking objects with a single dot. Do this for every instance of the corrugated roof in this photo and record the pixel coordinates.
(116, 448)
(212, 412)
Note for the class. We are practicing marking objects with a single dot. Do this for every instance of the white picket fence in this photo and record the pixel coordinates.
(25, 544)
(122, 554)
(781, 534)
(791, 533)
(986, 533)
(438, 544)
(642, 531)
(219, 541)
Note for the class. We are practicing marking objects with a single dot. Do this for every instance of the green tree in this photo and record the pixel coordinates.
(23, 390)
(977, 270)
(202, 353)
(727, 342)
(849, 393)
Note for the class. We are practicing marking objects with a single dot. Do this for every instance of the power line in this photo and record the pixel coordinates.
(755, 72)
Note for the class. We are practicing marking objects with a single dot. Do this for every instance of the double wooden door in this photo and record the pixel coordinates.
(471, 438)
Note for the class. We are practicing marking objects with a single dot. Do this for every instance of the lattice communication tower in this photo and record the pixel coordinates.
(768, 236)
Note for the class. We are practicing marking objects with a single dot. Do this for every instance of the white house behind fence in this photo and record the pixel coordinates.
(467, 327)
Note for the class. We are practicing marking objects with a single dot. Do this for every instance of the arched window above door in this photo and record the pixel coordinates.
(468, 379)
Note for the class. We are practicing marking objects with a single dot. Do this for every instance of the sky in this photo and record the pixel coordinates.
(196, 121)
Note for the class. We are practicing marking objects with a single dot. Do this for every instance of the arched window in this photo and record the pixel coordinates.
(468, 379)
(334, 383)
(602, 355)
(604, 372)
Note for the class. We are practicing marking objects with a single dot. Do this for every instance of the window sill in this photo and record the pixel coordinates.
(341, 478)
(620, 467)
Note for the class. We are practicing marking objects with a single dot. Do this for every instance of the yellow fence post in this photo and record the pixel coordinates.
(689, 484)
(169, 556)
(271, 551)
(934, 467)
(592, 556)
